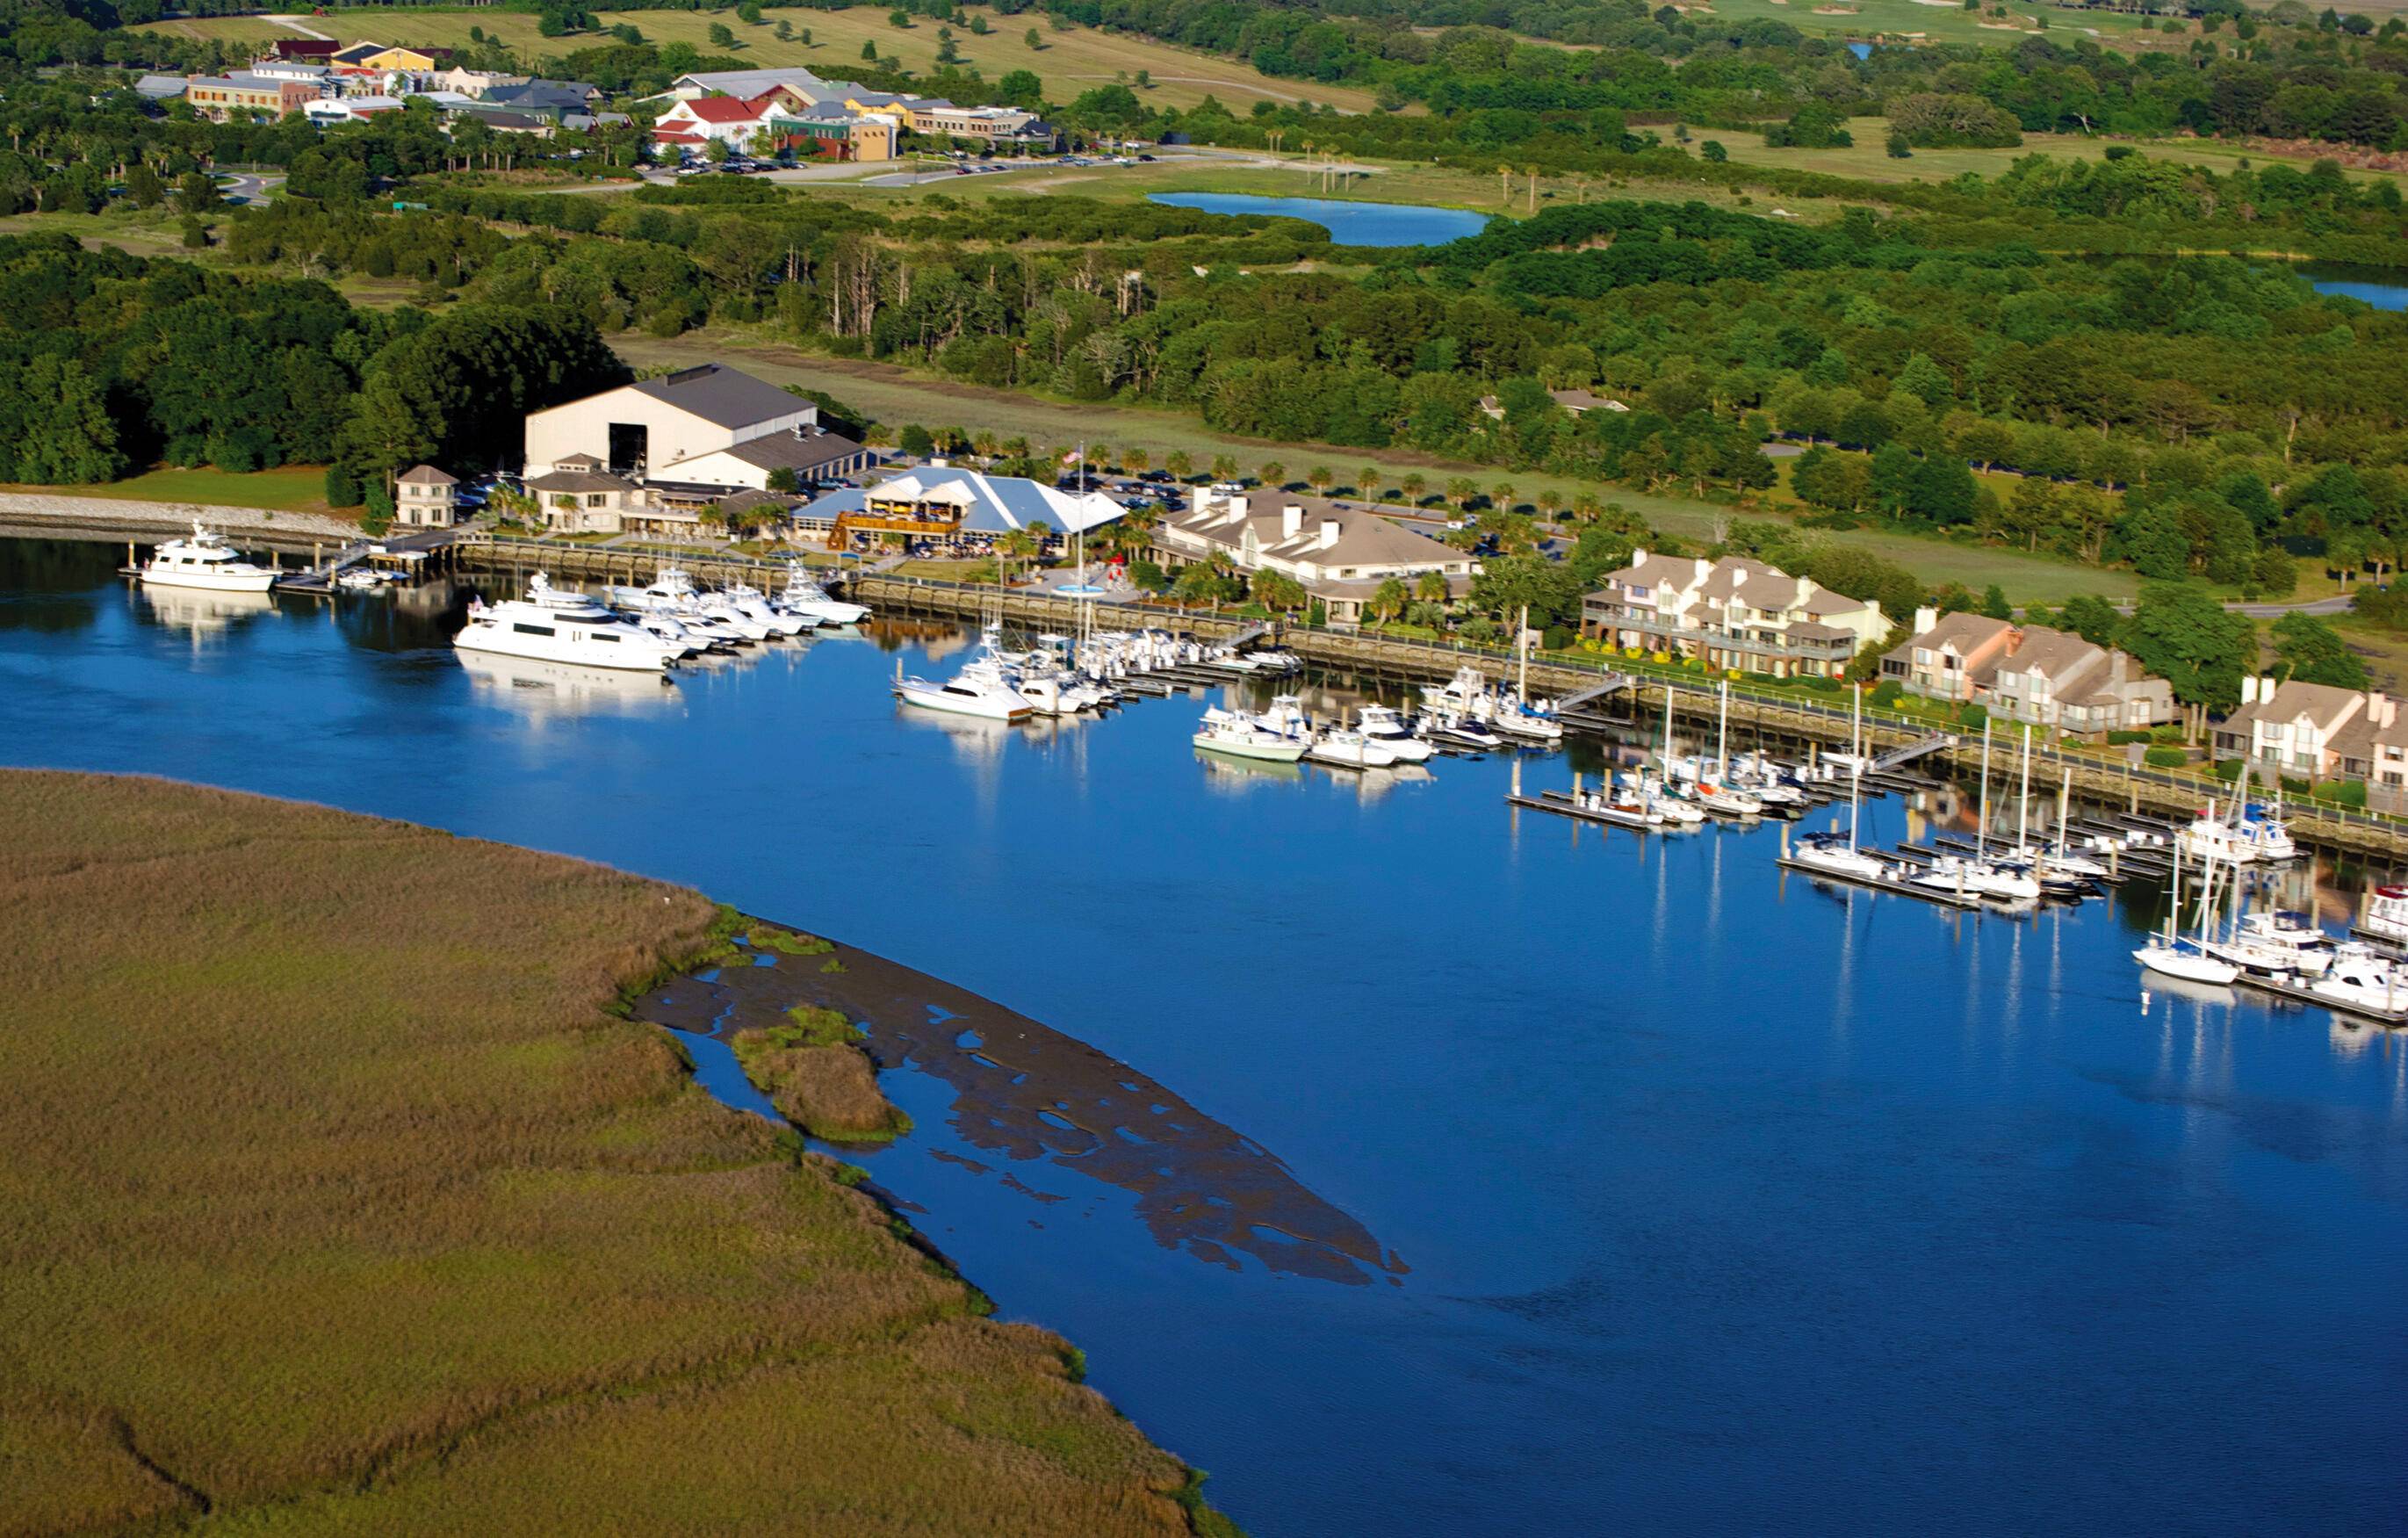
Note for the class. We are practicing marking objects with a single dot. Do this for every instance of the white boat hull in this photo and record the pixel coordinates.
(256, 580)
(577, 652)
(984, 707)
(2189, 966)
(1266, 751)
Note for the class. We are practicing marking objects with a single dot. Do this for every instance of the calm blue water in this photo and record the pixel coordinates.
(1863, 51)
(1730, 1205)
(1348, 223)
(2381, 287)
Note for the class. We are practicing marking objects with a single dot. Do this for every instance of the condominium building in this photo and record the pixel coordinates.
(1733, 614)
(2029, 672)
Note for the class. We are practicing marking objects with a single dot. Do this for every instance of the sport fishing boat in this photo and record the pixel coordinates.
(803, 595)
(2363, 983)
(988, 687)
(1467, 731)
(1347, 749)
(206, 561)
(1239, 736)
(1380, 723)
(554, 625)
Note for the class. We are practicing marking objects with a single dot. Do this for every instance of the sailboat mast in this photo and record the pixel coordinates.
(1521, 644)
(1855, 770)
(1722, 735)
(1982, 823)
(2023, 798)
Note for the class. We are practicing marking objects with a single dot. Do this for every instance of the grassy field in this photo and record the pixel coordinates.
(1868, 160)
(1931, 21)
(1068, 62)
(895, 396)
(333, 1196)
(290, 488)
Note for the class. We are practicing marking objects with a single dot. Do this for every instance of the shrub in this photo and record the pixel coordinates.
(1557, 638)
(1886, 692)
(2121, 738)
(342, 488)
(2166, 757)
(1973, 714)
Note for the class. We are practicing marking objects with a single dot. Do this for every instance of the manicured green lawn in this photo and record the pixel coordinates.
(1868, 160)
(290, 488)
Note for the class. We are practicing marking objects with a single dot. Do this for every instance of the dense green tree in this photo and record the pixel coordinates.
(2309, 650)
(2179, 632)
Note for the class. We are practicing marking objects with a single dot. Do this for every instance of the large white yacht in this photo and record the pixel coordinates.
(1381, 725)
(550, 625)
(803, 595)
(985, 687)
(206, 561)
(1242, 737)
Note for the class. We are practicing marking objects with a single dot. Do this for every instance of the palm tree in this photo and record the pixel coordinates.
(1274, 473)
(1366, 483)
(1460, 491)
(1501, 495)
(1019, 544)
(1224, 468)
(1137, 460)
(984, 442)
(1585, 507)
(1180, 464)
(1550, 501)
(1413, 487)
(1388, 598)
(1276, 590)
(1320, 478)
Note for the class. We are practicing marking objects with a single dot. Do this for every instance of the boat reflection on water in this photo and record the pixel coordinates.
(542, 690)
(199, 612)
(1224, 773)
(975, 739)
(2170, 991)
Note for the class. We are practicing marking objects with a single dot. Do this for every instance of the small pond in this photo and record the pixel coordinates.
(1349, 224)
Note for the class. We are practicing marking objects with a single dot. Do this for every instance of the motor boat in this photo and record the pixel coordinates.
(2365, 984)
(803, 595)
(1380, 723)
(2179, 957)
(686, 642)
(554, 625)
(206, 561)
(969, 694)
(2275, 943)
(1977, 878)
(1467, 731)
(357, 580)
(2255, 836)
(1345, 748)
(1834, 854)
(1238, 737)
(1286, 715)
(1674, 808)
(749, 602)
(2386, 915)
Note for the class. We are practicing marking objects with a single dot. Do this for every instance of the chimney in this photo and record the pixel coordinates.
(2378, 709)
(1291, 521)
(1925, 618)
(1639, 555)
(1704, 565)
(2249, 690)
(1328, 532)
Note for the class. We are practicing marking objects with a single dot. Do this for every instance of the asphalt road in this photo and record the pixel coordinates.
(248, 187)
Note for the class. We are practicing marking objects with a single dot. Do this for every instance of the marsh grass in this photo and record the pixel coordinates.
(814, 1071)
(333, 1195)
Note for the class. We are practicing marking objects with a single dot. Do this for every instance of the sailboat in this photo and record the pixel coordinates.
(1826, 853)
(2180, 955)
(1976, 873)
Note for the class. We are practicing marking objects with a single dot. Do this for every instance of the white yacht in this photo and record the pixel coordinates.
(1239, 736)
(2275, 943)
(803, 595)
(206, 561)
(2386, 915)
(1383, 724)
(2365, 984)
(550, 625)
(1832, 855)
(750, 602)
(987, 686)
(1349, 749)
(1977, 878)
